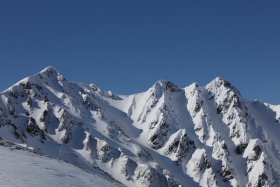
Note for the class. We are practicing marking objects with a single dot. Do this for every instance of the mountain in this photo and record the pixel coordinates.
(165, 136)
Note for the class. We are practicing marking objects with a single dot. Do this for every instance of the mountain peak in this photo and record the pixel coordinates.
(48, 69)
(221, 83)
(166, 85)
(50, 73)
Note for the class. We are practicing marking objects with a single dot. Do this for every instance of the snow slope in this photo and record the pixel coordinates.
(25, 169)
(165, 136)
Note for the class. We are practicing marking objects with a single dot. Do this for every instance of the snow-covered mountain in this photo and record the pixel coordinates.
(165, 136)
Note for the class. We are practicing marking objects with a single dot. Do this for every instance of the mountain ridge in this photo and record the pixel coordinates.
(165, 136)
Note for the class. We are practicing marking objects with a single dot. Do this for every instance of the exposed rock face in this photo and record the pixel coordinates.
(165, 136)
(232, 107)
(259, 166)
(33, 129)
(180, 145)
(199, 168)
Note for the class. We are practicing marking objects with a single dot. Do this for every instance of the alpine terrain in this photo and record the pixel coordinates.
(75, 134)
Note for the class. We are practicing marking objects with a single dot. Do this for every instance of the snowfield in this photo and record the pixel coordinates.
(25, 169)
(165, 136)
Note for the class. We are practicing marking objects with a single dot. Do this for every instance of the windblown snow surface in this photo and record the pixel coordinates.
(25, 169)
(165, 136)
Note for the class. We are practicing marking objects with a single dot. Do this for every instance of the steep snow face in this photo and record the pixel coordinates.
(165, 136)
(199, 167)
(232, 107)
(212, 132)
(259, 169)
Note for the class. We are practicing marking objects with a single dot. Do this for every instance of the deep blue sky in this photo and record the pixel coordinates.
(126, 45)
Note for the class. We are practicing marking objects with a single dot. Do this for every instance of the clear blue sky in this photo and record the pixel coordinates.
(125, 45)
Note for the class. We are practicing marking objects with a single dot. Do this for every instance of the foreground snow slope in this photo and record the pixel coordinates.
(165, 136)
(25, 169)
